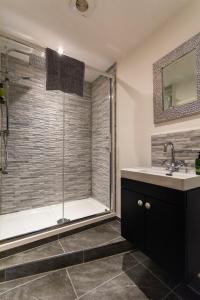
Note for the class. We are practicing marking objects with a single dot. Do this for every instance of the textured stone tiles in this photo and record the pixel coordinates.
(35, 144)
(185, 142)
(101, 140)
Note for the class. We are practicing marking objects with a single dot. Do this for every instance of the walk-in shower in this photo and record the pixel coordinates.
(56, 149)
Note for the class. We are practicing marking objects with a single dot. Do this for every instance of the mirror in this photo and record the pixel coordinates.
(179, 81)
(176, 82)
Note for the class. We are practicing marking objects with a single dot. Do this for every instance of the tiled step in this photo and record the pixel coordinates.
(90, 244)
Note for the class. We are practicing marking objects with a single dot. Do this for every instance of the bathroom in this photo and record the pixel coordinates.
(99, 189)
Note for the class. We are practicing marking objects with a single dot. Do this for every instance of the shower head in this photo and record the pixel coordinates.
(20, 54)
(18, 51)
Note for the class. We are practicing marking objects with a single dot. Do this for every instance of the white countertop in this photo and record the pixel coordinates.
(179, 180)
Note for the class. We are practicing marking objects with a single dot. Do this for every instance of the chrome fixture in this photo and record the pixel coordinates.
(173, 165)
(140, 203)
(147, 205)
(63, 221)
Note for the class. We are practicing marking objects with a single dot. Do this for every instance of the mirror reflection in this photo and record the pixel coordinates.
(179, 81)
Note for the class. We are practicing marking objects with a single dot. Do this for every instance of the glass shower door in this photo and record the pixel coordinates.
(87, 151)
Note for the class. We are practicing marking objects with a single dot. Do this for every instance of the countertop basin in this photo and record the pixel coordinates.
(179, 180)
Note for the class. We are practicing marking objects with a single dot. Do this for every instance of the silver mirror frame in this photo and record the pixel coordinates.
(184, 110)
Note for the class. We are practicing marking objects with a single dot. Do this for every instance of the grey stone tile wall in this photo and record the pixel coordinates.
(101, 140)
(186, 145)
(77, 142)
(35, 144)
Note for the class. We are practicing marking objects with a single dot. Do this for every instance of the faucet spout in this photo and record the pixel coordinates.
(171, 145)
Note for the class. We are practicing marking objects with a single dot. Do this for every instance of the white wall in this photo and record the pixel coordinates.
(135, 91)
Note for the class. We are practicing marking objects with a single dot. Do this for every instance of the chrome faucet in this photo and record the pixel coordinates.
(173, 165)
(172, 151)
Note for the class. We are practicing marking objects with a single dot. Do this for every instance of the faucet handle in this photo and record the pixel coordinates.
(181, 163)
(166, 163)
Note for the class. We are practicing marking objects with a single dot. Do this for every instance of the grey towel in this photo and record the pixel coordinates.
(64, 73)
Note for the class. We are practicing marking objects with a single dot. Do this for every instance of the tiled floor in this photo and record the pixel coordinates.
(124, 276)
(93, 237)
(32, 220)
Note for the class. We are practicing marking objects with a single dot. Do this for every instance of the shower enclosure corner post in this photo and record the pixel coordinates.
(113, 143)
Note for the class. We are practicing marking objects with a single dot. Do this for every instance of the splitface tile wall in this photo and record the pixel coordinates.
(101, 140)
(35, 144)
(186, 144)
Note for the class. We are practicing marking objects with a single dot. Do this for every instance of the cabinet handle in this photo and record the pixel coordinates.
(148, 205)
(140, 203)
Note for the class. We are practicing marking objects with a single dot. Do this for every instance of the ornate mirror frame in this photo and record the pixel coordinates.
(184, 110)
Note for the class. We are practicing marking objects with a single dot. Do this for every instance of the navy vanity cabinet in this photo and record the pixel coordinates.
(133, 217)
(164, 234)
(156, 225)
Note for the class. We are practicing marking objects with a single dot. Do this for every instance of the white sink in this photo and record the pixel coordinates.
(158, 176)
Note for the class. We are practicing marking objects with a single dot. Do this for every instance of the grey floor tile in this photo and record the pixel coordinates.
(116, 225)
(88, 276)
(141, 257)
(119, 288)
(46, 250)
(54, 286)
(5, 286)
(89, 238)
(147, 283)
(182, 292)
(195, 284)
(160, 273)
(108, 249)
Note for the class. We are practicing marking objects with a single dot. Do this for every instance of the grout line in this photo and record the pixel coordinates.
(23, 284)
(29, 281)
(53, 271)
(191, 287)
(18, 253)
(106, 257)
(72, 284)
(172, 291)
(61, 246)
(123, 272)
(153, 273)
(107, 243)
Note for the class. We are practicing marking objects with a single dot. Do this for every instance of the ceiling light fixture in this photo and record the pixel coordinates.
(82, 7)
(60, 50)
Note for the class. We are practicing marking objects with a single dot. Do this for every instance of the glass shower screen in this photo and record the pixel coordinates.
(58, 146)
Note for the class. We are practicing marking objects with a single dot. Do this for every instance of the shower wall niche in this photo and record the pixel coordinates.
(59, 144)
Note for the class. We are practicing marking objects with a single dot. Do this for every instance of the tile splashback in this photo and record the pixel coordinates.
(186, 144)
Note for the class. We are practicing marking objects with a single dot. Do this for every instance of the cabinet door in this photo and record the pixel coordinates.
(164, 234)
(132, 217)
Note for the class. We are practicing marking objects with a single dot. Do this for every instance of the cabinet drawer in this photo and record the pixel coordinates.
(171, 196)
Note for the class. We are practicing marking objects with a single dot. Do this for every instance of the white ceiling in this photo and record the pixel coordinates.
(99, 40)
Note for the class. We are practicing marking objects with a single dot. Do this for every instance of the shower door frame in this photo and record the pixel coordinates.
(112, 98)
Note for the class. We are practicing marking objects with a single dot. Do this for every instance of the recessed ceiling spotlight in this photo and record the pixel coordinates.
(60, 50)
(82, 7)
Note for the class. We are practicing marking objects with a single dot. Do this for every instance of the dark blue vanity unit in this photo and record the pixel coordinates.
(164, 223)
